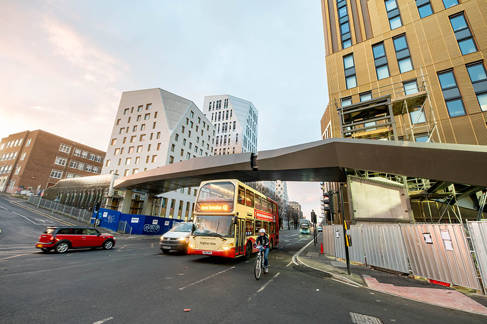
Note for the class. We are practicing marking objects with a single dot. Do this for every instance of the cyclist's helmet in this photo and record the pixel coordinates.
(262, 230)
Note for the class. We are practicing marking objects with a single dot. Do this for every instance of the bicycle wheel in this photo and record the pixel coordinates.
(258, 267)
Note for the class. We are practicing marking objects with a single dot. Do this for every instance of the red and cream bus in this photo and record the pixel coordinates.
(227, 217)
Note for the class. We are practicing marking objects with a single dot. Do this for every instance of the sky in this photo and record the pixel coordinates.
(65, 64)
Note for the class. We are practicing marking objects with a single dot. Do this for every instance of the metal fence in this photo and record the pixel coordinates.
(434, 251)
(81, 215)
(440, 252)
(478, 235)
(384, 246)
(329, 240)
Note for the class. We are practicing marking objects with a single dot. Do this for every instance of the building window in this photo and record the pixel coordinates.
(478, 76)
(128, 161)
(417, 116)
(462, 34)
(410, 87)
(171, 159)
(424, 8)
(107, 163)
(17, 171)
(172, 147)
(126, 111)
(349, 68)
(364, 96)
(56, 174)
(73, 164)
(60, 161)
(114, 140)
(148, 106)
(344, 23)
(154, 158)
(346, 101)
(449, 3)
(142, 138)
(393, 14)
(402, 54)
(380, 61)
(451, 94)
(65, 148)
(22, 157)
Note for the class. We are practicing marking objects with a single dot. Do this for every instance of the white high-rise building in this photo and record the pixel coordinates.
(154, 127)
(281, 190)
(235, 122)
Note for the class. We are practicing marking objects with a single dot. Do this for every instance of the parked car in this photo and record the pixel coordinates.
(177, 238)
(61, 239)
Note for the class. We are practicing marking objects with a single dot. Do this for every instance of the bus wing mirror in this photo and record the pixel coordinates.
(193, 228)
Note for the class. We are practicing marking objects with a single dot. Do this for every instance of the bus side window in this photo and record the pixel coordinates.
(258, 202)
(249, 198)
(266, 226)
(241, 195)
(250, 228)
(258, 226)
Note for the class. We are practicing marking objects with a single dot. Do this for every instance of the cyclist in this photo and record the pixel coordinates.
(263, 242)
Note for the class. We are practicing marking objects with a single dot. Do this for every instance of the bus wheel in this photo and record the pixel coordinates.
(248, 250)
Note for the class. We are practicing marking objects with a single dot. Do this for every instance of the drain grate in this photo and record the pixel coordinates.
(364, 319)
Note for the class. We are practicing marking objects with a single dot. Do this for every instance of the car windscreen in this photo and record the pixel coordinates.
(186, 227)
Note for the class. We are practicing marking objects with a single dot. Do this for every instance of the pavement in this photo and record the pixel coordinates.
(392, 283)
(136, 283)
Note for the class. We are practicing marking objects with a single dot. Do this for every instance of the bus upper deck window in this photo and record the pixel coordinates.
(249, 198)
(241, 195)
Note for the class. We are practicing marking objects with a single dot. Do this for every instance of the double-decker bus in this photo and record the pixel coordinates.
(227, 217)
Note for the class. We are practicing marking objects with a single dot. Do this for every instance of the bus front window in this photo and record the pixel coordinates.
(216, 197)
(221, 226)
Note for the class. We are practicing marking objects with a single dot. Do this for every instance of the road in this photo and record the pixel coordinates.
(135, 283)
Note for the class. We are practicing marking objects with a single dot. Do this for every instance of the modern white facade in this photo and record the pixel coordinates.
(235, 122)
(152, 128)
(281, 190)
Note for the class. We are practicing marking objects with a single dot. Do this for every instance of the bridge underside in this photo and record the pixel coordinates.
(323, 161)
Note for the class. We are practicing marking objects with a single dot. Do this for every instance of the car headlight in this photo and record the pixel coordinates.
(162, 237)
(184, 239)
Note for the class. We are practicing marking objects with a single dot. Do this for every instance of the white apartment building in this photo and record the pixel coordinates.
(153, 128)
(235, 122)
(281, 190)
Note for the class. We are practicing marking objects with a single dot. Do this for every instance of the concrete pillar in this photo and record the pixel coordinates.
(147, 206)
(126, 202)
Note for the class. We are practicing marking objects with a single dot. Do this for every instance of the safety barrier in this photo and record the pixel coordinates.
(133, 224)
(434, 251)
(478, 235)
(81, 215)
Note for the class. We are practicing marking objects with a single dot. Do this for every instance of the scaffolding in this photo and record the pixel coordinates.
(376, 118)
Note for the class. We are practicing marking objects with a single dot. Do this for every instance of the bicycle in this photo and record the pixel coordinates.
(259, 263)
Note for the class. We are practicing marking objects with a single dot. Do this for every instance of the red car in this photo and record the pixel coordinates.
(61, 239)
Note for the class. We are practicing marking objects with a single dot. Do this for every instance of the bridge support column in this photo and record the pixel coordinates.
(147, 206)
(126, 202)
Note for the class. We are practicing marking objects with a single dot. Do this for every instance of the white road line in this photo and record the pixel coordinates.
(268, 282)
(3, 208)
(104, 320)
(346, 283)
(14, 256)
(206, 278)
(30, 220)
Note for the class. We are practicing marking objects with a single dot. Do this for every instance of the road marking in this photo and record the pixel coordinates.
(3, 208)
(30, 220)
(347, 283)
(104, 320)
(42, 214)
(206, 278)
(14, 256)
(296, 255)
(268, 282)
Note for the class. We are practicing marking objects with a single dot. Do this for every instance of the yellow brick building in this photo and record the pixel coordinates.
(406, 69)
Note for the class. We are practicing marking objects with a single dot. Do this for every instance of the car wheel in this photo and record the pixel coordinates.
(45, 250)
(165, 251)
(108, 244)
(62, 247)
